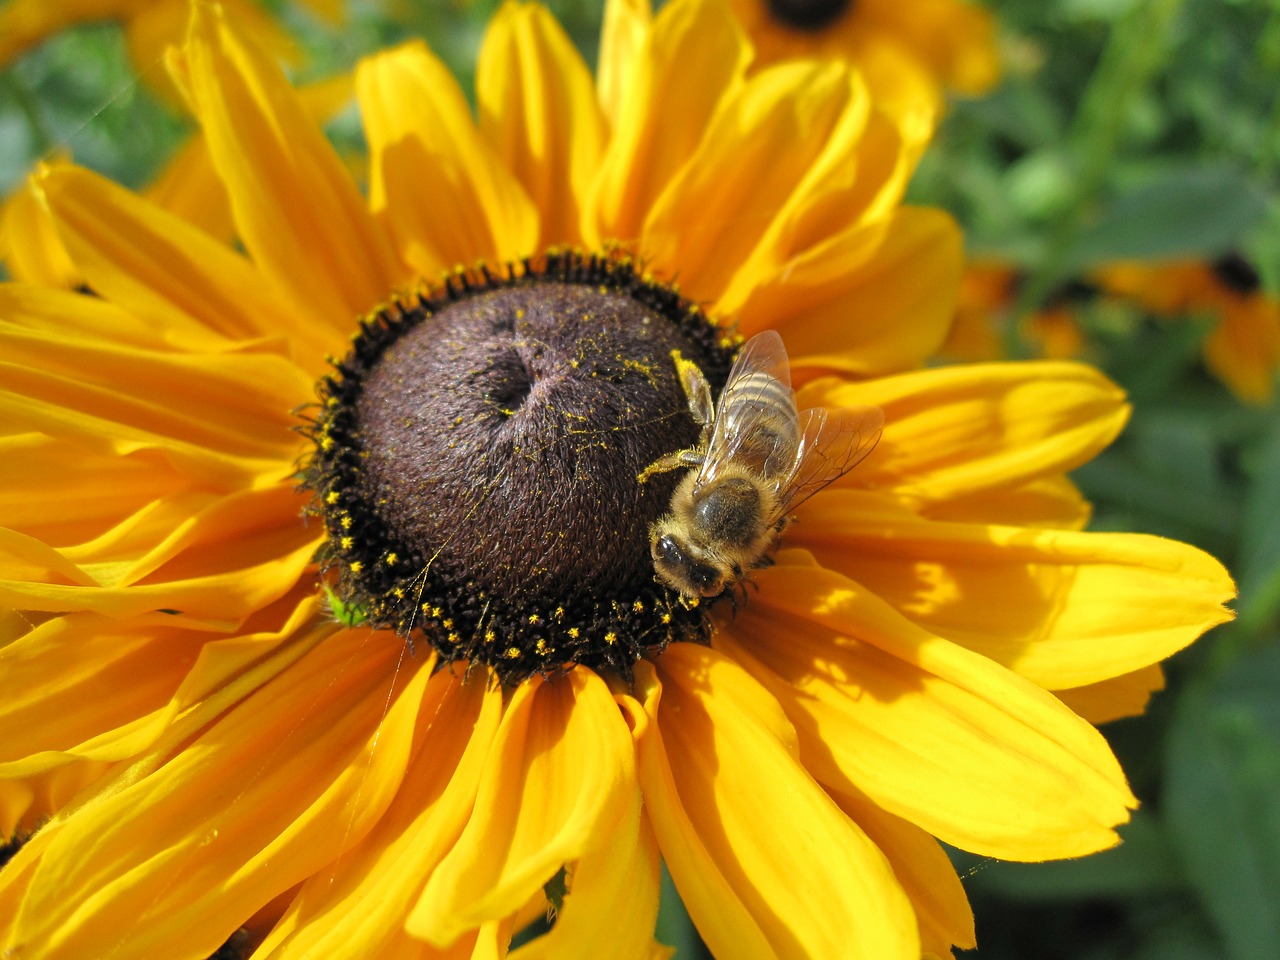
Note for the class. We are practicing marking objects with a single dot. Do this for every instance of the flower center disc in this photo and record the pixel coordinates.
(477, 460)
(808, 15)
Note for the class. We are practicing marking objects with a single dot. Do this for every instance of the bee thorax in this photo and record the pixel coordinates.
(729, 513)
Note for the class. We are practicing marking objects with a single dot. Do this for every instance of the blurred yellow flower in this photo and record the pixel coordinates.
(988, 293)
(1243, 350)
(194, 747)
(150, 27)
(908, 49)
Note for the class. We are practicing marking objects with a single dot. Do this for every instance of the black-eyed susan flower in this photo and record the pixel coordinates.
(908, 50)
(984, 313)
(196, 742)
(1243, 348)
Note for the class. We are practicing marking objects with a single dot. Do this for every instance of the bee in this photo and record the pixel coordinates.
(757, 459)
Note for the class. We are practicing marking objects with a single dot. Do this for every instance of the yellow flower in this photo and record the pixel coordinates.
(988, 292)
(195, 747)
(150, 27)
(908, 49)
(1243, 350)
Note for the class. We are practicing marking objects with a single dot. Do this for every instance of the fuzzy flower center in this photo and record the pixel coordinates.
(477, 458)
(808, 15)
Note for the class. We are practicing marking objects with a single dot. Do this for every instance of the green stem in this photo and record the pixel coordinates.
(1137, 47)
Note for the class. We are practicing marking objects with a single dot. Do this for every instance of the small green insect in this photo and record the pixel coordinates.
(347, 614)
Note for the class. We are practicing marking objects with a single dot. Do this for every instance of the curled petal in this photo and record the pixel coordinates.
(766, 862)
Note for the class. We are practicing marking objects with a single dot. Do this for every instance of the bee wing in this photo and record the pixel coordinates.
(759, 379)
(833, 443)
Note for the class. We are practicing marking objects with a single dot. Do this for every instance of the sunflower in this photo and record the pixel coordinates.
(1243, 349)
(398, 683)
(908, 49)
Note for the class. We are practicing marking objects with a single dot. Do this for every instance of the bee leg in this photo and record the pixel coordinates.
(680, 459)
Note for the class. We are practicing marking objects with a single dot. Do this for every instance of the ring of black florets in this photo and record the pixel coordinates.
(475, 461)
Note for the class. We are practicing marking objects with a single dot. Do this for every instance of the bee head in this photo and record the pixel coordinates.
(677, 565)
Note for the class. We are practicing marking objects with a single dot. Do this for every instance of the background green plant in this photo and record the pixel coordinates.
(1123, 128)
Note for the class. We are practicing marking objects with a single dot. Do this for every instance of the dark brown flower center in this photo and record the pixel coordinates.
(477, 457)
(808, 15)
(1236, 273)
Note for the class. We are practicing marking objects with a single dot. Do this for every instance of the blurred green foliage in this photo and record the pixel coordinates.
(1134, 128)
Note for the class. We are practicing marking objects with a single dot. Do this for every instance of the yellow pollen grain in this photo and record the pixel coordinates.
(513, 653)
(490, 636)
(611, 638)
(356, 566)
(666, 618)
(541, 647)
(345, 523)
(391, 559)
(347, 543)
(326, 444)
(398, 593)
(447, 624)
(534, 619)
(575, 632)
(332, 497)
(638, 606)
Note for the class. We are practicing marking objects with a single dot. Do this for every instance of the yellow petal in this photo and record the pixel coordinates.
(278, 787)
(213, 570)
(854, 302)
(296, 209)
(28, 802)
(538, 110)
(953, 431)
(559, 780)
(756, 168)
(143, 677)
(1123, 696)
(356, 906)
(622, 36)
(25, 23)
(693, 56)
(1052, 501)
(42, 496)
(237, 403)
(189, 187)
(443, 192)
(167, 271)
(931, 732)
(613, 899)
(925, 872)
(765, 861)
(1059, 607)
(77, 705)
(1244, 349)
(29, 242)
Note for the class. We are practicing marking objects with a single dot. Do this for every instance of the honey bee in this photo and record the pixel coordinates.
(757, 459)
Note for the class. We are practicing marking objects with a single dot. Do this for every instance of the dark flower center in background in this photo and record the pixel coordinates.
(809, 15)
(1236, 273)
(477, 456)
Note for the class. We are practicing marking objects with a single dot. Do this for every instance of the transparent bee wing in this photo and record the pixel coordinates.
(833, 442)
(755, 419)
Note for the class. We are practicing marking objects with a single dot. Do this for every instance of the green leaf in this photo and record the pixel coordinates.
(1194, 211)
(1259, 564)
(1223, 767)
(1142, 864)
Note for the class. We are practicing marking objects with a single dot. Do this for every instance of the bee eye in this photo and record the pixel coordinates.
(665, 551)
